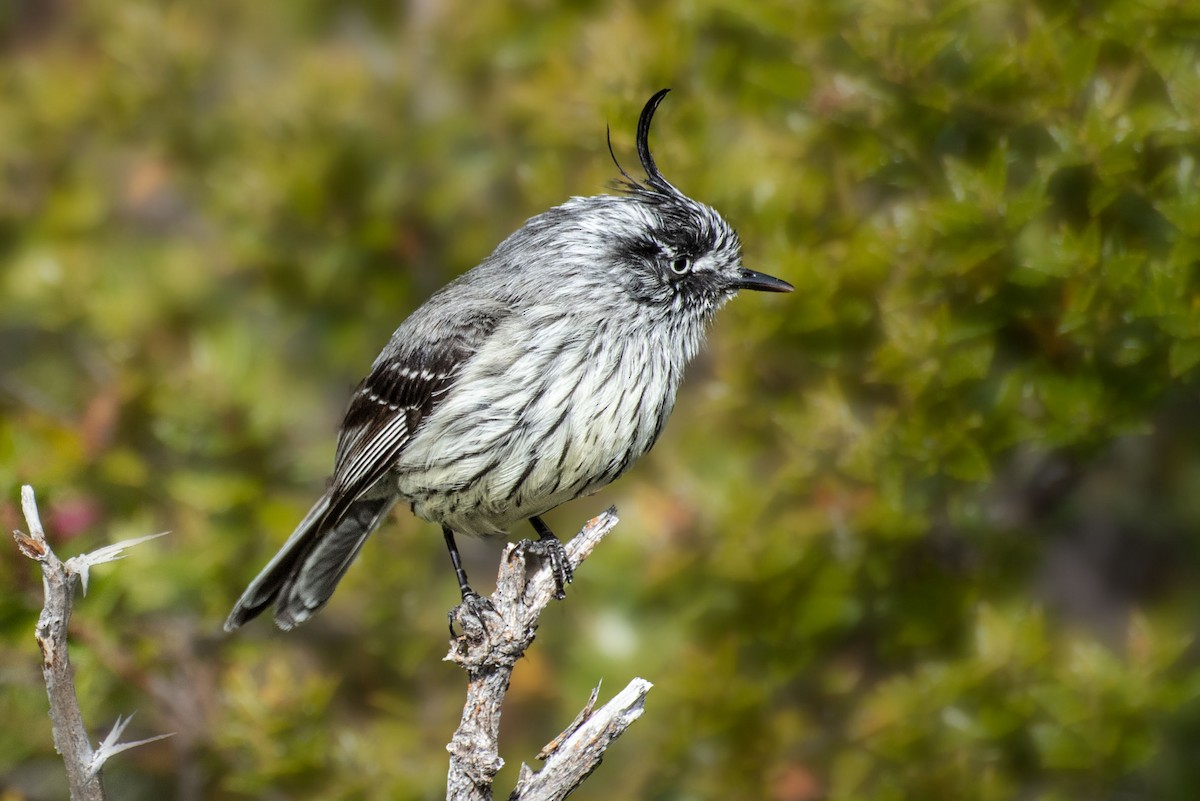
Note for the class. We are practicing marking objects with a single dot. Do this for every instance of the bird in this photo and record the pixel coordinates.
(537, 377)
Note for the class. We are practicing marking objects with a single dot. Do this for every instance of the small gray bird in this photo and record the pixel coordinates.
(537, 377)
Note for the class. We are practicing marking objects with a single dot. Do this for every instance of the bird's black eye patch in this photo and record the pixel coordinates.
(641, 249)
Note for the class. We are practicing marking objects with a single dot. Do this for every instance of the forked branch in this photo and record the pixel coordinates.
(488, 652)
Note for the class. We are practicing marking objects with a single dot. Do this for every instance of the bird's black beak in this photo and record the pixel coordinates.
(749, 279)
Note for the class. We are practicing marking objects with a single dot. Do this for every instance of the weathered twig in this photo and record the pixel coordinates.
(575, 753)
(83, 763)
(488, 653)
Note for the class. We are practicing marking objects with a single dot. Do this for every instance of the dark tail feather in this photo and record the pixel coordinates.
(307, 589)
(301, 577)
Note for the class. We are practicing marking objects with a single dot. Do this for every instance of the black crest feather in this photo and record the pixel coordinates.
(655, 182)
(654, 177)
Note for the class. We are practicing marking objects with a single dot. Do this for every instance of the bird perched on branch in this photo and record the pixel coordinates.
(539, 376)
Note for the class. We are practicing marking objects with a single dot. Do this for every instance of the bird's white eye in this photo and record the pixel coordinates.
(681, 265)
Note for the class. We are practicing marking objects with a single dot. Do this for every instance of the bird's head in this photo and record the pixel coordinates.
(676, 253)
(674, 260)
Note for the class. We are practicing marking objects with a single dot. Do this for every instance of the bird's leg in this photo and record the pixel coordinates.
(548, 547)
(472, 602)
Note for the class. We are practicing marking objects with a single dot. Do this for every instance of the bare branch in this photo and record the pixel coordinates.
(579, 749)
(70, 735)
(83, 764)
(488, 652)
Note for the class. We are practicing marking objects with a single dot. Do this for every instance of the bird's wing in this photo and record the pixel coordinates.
(405, 385)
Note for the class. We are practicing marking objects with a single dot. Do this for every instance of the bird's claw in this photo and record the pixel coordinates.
(470, 615)
(550, 549)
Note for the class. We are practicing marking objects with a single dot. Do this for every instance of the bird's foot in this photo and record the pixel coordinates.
(470, 615)
(548, 548)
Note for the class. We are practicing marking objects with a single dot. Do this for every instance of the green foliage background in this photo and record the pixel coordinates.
(926, 528)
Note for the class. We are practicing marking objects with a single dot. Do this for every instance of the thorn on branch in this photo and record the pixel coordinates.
(81, 564)
(112, 745)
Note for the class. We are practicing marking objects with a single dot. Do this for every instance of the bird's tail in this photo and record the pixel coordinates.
(301, 577)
